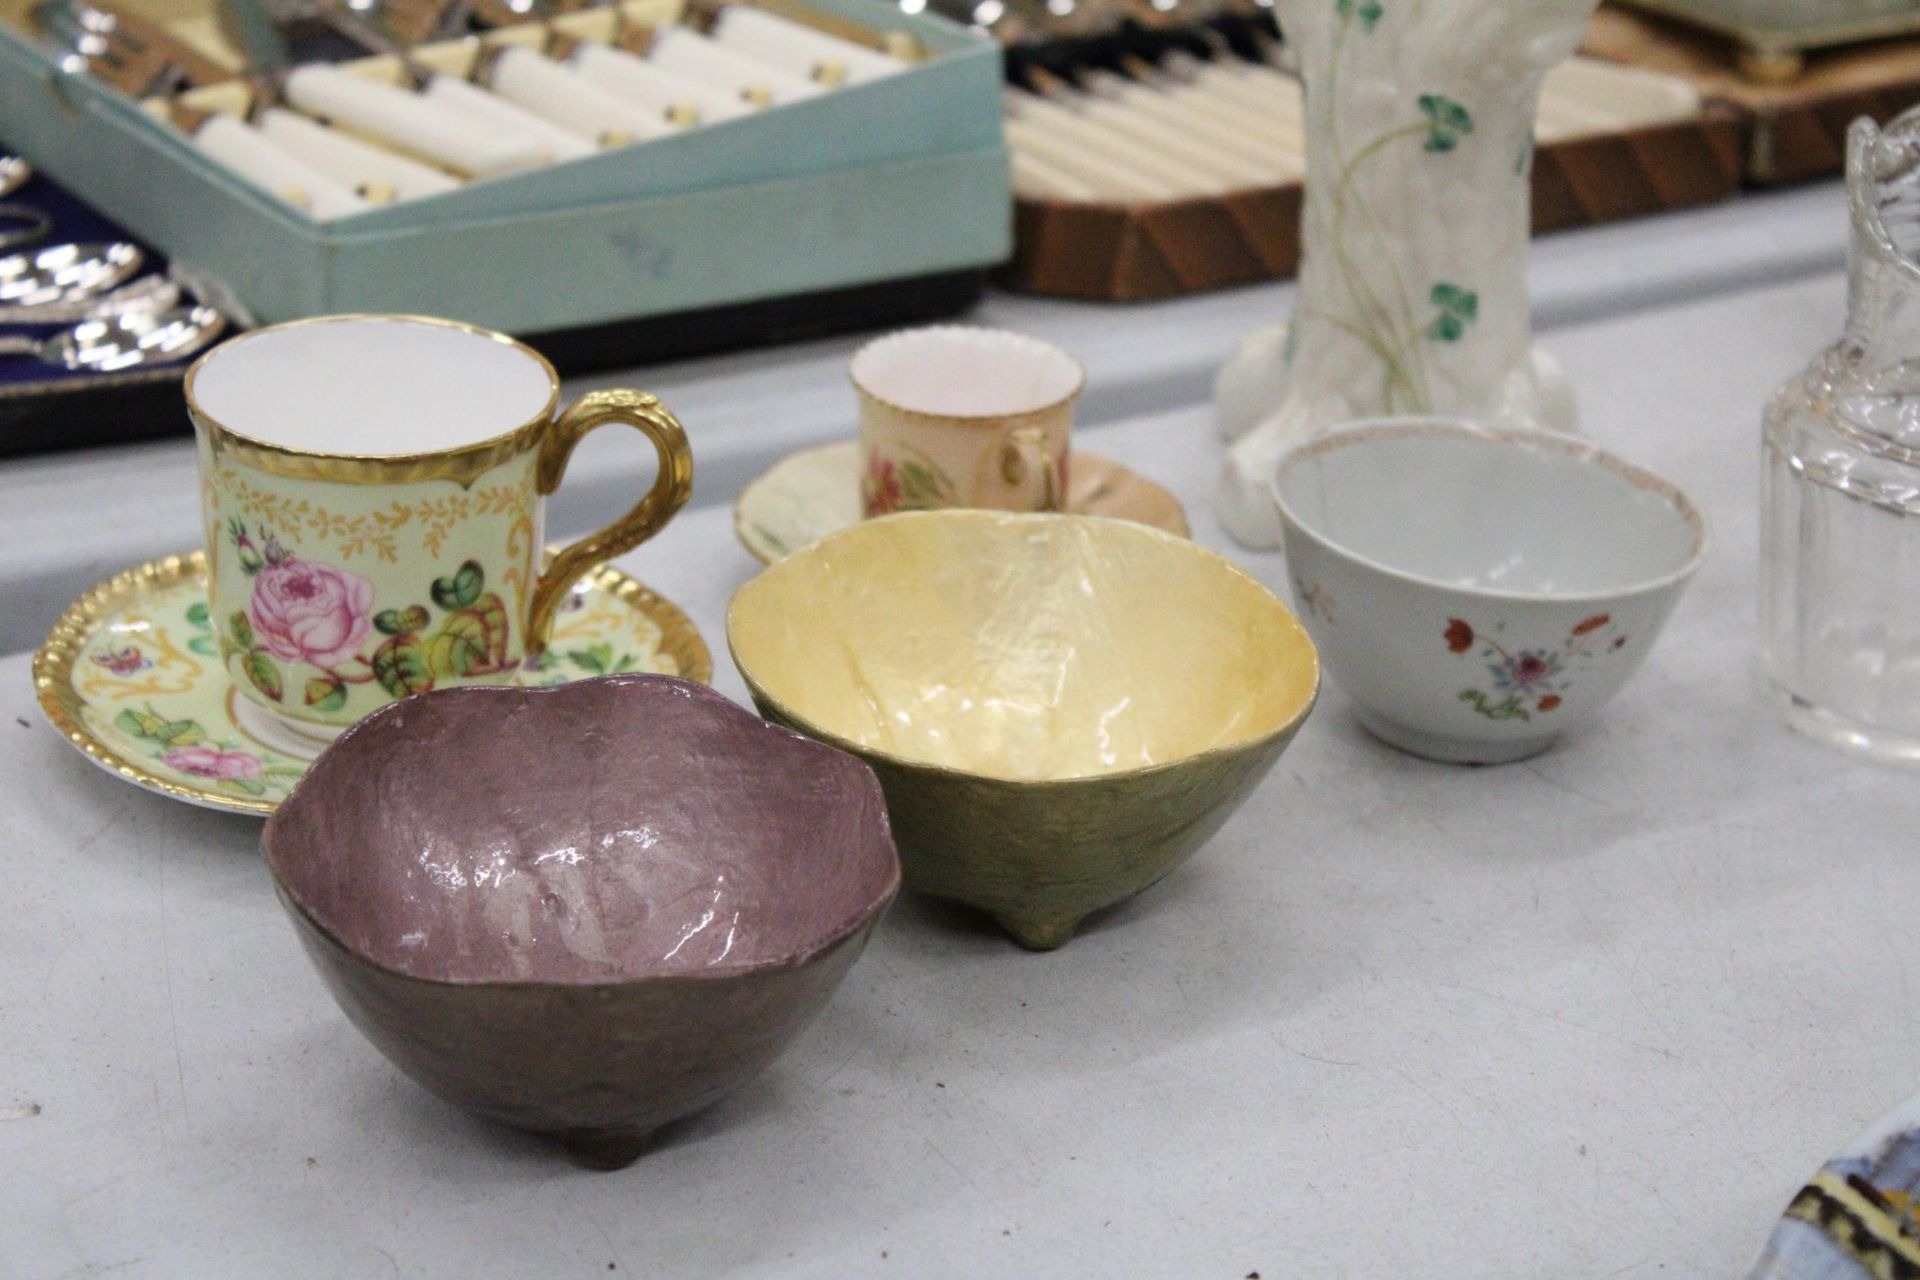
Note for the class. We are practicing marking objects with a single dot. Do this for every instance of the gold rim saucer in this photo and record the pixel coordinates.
(132, 677)
(810, 494)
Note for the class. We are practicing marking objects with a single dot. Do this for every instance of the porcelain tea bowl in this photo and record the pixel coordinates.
(584, 911)
(1479, 592)
(1061, 708)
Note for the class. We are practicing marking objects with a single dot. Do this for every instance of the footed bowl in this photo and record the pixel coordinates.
(1061, 709)
(584, 911)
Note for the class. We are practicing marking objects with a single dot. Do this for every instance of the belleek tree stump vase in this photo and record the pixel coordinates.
(1413, 292)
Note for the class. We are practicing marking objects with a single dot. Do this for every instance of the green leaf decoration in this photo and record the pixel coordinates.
(1464, 303)
(1447, 121)
(454, 652)
(252, 786)
(284, 772)
(1459, 308)
(595, 658)
(921, 484)
(1509, 709)
(326, 693)
(203, 645)
(241, 628)
(197, 614)
(491, 610)
(462, 589)
(156, 728)
(468, 582)
(471, 641)
(398, 622)
(400, 665)
(263, 673)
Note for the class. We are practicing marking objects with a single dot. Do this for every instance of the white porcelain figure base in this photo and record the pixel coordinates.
(1256, 376)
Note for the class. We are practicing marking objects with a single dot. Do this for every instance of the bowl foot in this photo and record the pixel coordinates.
(1433, 746)
(606, 1149)
(1040, 935)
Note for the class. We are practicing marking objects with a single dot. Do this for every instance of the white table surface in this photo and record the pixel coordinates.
(1598, 1014)
(70, 520)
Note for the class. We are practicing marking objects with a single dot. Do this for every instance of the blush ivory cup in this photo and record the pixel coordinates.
(1477, 592)
(373, 490)
(952, 416)
(1077, 707)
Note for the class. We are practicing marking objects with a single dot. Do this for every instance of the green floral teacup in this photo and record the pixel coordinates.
(372, 488)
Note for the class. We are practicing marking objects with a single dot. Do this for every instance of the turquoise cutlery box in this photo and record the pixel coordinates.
(900, 177)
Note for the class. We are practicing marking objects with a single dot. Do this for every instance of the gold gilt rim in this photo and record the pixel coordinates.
(680, 639)
(462, 466)
(61, 703)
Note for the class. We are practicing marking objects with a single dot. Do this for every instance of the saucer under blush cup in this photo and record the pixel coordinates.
(1077, 707)
(586, 911)
(1476, 592)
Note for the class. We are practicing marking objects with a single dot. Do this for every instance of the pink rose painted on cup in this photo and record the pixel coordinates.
(209, 762)
(312, 613)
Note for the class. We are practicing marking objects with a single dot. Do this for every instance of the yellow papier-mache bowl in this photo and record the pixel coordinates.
(1061, 709)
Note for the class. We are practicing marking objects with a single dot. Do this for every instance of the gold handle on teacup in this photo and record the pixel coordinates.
(1021, 450)
(670, 492)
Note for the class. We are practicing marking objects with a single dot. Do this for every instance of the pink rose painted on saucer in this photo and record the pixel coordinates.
(210, 762)
(312, 613)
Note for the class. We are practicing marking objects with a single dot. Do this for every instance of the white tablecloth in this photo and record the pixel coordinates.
(1598, 1014)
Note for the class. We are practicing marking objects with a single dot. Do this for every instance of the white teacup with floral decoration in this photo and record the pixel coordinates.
(952, 416)
(372, 488)
(1477, 591)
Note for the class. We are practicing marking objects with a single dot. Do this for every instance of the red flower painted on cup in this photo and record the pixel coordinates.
(209, 762)
(1527, 682)
(881, 489)
(312, 613)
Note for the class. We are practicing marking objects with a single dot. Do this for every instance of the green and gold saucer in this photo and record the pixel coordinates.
(810, 494)
(132, 676)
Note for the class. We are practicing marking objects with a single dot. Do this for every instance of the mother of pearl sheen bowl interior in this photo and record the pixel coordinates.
(624, 827)
(1522, 513)
(1024, 647)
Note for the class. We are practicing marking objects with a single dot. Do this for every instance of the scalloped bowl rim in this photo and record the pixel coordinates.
(1223, 751)
(865, 916)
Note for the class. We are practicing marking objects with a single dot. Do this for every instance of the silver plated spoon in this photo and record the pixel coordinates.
(14, 173)
(66, 272)
(148, 293)
(124, 341)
